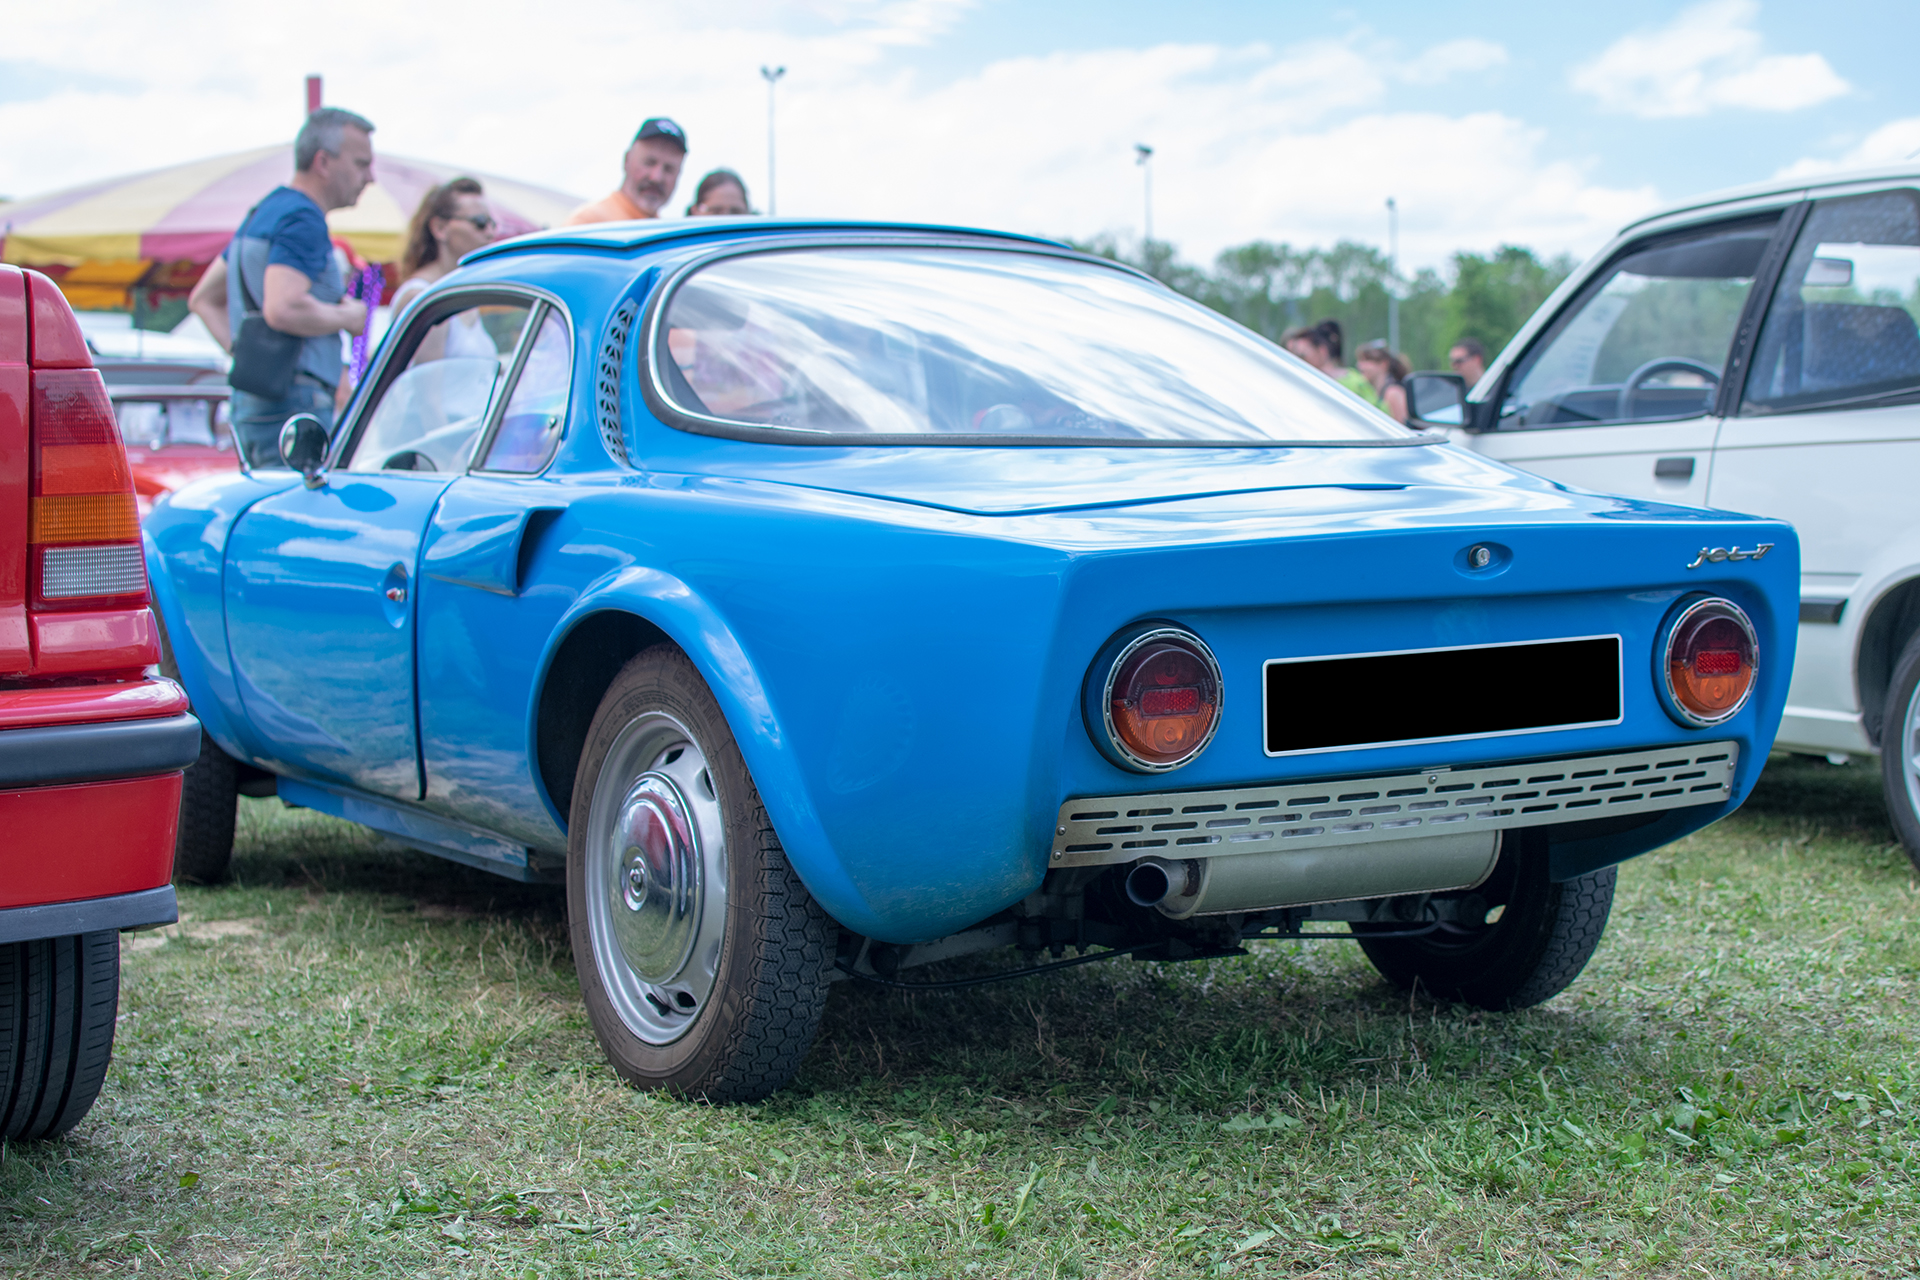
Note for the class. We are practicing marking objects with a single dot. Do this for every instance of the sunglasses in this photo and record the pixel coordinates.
(480, 221)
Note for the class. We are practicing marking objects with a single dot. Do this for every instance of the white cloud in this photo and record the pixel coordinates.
(1709, 56)
(1891, 143)
(1452, 58)
(1291, 143)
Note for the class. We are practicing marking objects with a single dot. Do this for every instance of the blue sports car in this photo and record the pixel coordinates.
(821, 600)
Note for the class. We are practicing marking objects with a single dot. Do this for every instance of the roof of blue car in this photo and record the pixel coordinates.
(620, 236)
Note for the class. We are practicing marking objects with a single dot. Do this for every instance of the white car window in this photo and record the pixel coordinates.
(429, 417)
(1648, 341)
(1842, 324)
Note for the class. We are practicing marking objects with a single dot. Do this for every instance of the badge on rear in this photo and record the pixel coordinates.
(1714, 555)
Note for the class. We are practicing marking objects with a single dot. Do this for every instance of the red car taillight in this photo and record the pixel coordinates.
(1159, 699)
(83, 534)
(1709, 661)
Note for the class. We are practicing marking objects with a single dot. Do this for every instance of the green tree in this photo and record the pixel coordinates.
(1492, 296)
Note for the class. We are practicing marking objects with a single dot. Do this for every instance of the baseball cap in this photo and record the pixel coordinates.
(661, 127)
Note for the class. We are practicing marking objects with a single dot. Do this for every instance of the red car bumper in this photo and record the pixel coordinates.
(89, 801)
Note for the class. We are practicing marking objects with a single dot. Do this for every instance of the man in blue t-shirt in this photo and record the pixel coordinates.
(281, 264)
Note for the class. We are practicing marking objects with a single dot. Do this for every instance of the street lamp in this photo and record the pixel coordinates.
(1143, 156)
(1393, 274)
(772, 76)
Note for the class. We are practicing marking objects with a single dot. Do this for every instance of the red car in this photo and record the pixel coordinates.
(173, 418)
(92, 740)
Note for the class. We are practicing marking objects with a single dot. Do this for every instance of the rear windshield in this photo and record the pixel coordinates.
(943, 345)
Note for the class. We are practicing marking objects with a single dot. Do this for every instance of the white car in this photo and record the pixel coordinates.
(1754, 351)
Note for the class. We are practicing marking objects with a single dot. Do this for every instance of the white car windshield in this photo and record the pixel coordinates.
(943, 342)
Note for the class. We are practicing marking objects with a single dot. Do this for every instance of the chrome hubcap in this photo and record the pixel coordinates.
(656, 878)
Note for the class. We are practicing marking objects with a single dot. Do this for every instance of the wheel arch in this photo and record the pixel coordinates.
(643, 607)
(1889, 626)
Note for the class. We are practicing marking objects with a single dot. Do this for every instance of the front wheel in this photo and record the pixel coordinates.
(1542, 937)
(702, 958)
(1900, 750)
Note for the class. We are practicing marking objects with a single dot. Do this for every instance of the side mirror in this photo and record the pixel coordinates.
(303, 446)
(1437, 400)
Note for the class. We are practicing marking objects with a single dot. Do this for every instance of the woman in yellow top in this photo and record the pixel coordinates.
(1320, 346)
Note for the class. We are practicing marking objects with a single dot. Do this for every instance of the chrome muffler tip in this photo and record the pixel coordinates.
(1152, 881)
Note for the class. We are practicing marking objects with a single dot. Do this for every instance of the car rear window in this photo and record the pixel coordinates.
(951, 345)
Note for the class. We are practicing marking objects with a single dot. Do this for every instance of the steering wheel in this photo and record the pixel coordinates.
(408, 460)
(1645, 373)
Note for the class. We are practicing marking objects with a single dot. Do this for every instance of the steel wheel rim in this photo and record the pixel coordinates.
(655, 876)
(1909, 749)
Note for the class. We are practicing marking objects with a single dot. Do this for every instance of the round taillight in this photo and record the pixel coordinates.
(1709, 661)
(1160, 699)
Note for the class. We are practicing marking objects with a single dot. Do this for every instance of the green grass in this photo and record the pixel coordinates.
(359, 1062)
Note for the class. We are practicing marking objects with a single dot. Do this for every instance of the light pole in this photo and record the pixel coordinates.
(1143, 156)
(772, 76)
(1393, 274)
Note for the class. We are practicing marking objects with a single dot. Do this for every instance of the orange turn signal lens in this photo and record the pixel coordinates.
(83, 517)
(1712, 656)
(1161, 700)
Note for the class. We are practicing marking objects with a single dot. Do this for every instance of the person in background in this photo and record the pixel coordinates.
(1320, 346)
(721, 194)
(285, 257)
(1386, 373)
(1469, 360)
(452, 221)
(652, 165)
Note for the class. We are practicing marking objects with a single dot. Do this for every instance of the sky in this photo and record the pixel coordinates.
(1505, 121)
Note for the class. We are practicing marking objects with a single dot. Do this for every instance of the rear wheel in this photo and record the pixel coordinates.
(209, 792)
(702, 958)
(1900, 750)
(58, 1001)
(1543, 937)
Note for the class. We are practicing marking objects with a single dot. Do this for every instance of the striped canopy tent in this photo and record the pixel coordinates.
(157, 231)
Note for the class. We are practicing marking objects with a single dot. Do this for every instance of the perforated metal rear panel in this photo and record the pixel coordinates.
(607, 380)
(1107, 829)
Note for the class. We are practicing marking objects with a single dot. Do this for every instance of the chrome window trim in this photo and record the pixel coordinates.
(374, 385)
(1094, 831)
(1620, 658)
(653, 387)
(535, 323)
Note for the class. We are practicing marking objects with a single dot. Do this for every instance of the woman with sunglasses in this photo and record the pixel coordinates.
(453, 220)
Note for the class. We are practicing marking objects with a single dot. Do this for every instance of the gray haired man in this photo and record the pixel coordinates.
(280, 264)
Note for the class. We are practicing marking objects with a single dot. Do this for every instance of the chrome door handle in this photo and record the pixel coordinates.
(397, 594)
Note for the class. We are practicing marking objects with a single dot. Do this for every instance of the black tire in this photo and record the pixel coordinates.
(209, 793)
(58, 1001)
(1900, 749)
(1544, 937)
(734, 1026)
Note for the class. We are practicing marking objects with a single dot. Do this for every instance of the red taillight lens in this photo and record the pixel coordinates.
(1162, 699)
(1711, 659)
(83, 530)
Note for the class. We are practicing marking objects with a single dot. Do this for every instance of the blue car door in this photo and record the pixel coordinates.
(321, 582)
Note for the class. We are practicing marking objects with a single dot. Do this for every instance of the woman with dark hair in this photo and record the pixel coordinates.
(721, 194)
(453, 220)
(1320, 346)
(1386, 372)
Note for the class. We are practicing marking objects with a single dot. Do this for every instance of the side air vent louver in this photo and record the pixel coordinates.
(607, 384)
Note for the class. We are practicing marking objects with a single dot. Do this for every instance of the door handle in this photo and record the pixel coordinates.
(1673, 469)
(397, 594)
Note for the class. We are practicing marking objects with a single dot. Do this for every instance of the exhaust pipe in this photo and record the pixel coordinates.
(1179, 888)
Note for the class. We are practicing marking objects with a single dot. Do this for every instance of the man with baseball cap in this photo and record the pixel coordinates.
(652, 171)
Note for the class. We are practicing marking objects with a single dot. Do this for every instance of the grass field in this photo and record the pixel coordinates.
(361, 1062)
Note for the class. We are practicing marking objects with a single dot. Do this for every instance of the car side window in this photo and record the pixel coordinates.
(1841, 328)
(1648, 340)
(430, 416)
(537, 409)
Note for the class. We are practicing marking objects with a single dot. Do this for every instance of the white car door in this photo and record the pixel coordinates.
(1618, 394)
(1828, 436)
